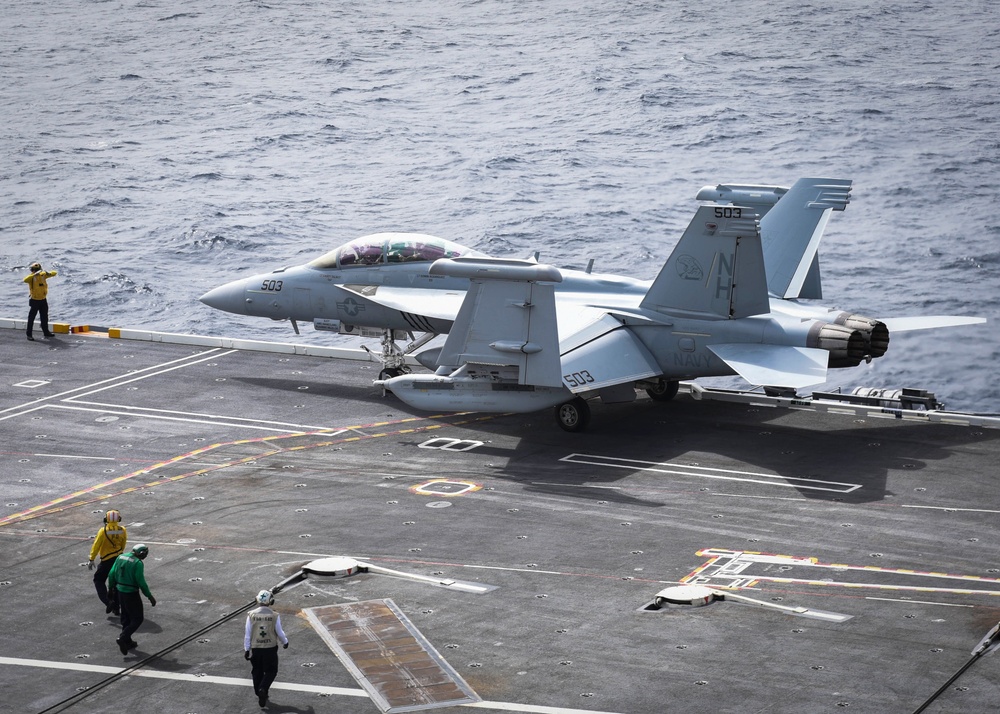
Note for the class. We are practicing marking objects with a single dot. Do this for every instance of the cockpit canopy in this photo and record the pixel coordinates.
(390, 248)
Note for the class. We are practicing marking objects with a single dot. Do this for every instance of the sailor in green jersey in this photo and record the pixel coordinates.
(127, 578)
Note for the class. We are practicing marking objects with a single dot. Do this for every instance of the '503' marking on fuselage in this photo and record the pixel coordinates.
(578, 379)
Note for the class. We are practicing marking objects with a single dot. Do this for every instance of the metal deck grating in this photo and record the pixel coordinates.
(389, 657)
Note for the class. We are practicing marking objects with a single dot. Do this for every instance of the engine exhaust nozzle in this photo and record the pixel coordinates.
(847, 347)
(875, 332)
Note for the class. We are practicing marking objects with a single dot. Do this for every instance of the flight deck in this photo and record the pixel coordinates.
(514, 566)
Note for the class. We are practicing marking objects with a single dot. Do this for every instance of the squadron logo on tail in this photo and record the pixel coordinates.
(688, 268)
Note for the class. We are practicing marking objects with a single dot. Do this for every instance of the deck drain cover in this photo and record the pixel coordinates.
(335, 567)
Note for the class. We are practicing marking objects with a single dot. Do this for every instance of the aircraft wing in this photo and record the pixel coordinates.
(603, 354)
(507, 320)
(510, 318)
(440, 304)
(775, 365)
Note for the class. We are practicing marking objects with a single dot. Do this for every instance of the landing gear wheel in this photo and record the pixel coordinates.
(573, 415)
(664, 391)
(390, 372)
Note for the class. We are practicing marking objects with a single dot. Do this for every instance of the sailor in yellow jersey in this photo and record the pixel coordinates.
(38, 293)
(109, 543)
(260, 644)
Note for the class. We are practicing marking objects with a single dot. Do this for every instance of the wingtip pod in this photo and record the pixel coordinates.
(816, 193)
(759, 197)
(495, 269)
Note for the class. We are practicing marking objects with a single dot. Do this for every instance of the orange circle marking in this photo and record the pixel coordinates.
(445, 487)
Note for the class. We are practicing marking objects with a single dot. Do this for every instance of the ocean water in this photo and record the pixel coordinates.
(152, 151)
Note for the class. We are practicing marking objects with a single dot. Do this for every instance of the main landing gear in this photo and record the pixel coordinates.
(663, 390)
(573, 415)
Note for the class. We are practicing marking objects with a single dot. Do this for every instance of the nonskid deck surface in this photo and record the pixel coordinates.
(237, 467)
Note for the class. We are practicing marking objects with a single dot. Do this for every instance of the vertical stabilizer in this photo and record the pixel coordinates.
(791, 233)
(715, 270)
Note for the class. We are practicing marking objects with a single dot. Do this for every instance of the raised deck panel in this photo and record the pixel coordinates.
(389, 657)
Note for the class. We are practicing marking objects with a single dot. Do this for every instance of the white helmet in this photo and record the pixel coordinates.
(264, 597)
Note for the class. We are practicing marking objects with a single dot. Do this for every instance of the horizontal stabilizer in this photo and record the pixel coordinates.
(929, 322)
(775, 365)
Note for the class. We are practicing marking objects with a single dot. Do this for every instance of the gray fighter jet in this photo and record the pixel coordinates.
(524, 336)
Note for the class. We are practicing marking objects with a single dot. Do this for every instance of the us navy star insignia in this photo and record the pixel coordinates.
(350, 306)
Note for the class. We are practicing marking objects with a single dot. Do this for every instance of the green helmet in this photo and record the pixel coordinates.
(140, 551)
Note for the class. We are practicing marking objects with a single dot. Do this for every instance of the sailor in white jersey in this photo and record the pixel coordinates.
(260, 644)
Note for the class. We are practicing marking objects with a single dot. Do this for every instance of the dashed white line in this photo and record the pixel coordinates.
(214, 421)
(711, 473)
(917, 602)
(952, 508)
(203, 678)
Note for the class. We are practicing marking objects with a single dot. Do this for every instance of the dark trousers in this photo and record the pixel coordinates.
(101, 580)
(264, 668)
(41, 309)
(132, 615)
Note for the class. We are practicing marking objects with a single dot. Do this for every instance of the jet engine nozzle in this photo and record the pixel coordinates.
(875, 332)
(847, 347)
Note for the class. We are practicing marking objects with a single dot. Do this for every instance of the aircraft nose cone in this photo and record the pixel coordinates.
(228, 297)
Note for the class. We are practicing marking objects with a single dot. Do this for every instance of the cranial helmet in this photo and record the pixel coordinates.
(35, 267)
(264, 597)
(112, 516)
(140, 551)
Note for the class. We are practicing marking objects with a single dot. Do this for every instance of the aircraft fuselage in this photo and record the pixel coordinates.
(367, 297)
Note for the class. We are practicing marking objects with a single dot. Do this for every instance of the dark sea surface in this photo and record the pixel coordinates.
(154, 150)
